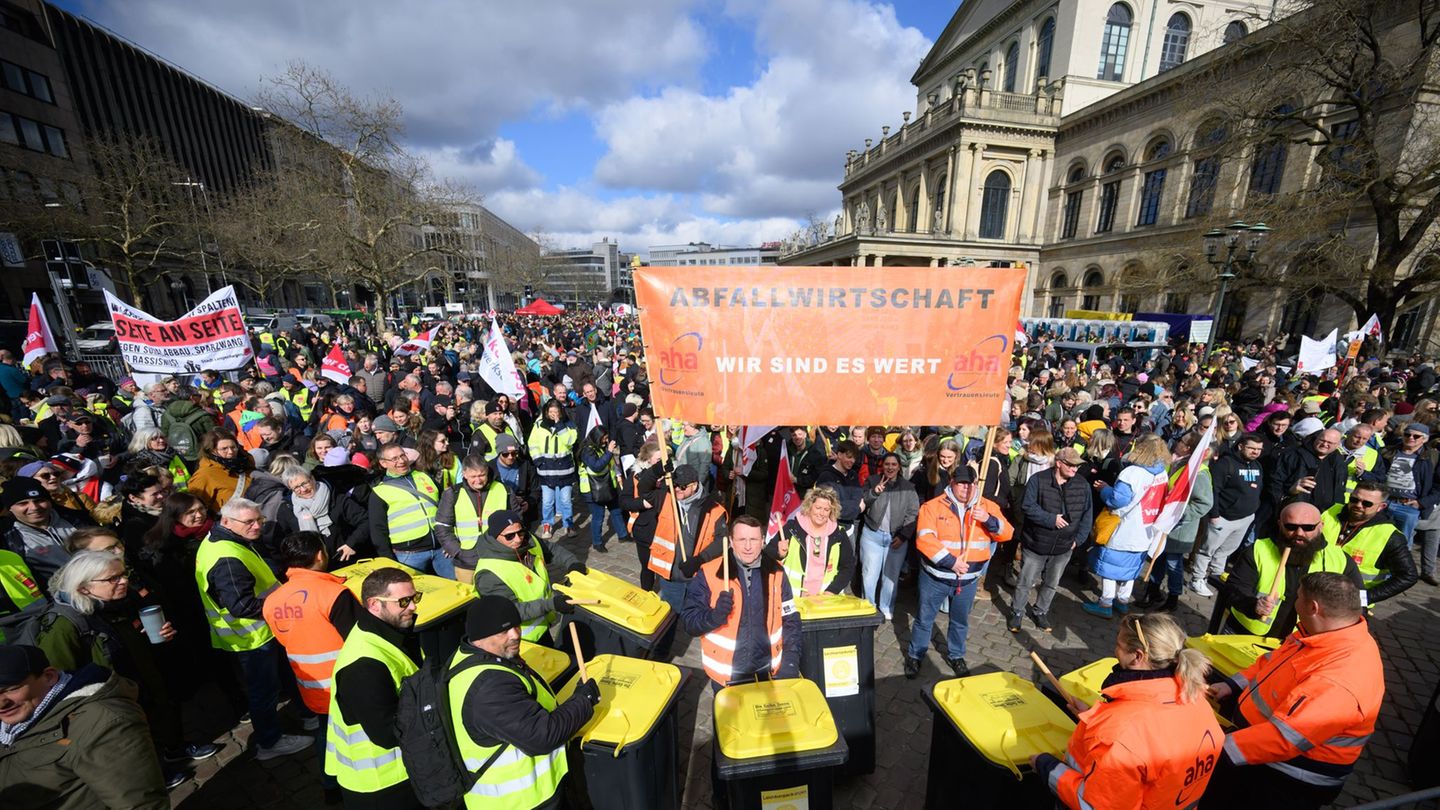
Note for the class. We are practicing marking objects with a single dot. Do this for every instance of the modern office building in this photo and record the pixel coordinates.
(699, 254)
(588, 276)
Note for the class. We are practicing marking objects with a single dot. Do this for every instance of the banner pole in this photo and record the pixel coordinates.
(664, 443)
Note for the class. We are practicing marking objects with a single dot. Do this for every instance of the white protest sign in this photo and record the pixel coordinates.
(210, 336)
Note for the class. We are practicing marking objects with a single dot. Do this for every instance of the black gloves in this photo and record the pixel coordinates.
(578, 568)
(690, 566)
(562, 604)
(589, 691)
(724, 603)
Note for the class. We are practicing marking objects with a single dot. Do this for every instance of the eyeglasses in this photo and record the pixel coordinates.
(402, 601)
(1364, 504)
(255, 521)
(392, 459)
(1299, 527)
(123, 576)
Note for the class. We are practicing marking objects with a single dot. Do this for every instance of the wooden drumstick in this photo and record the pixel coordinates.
(1275, 586)
(579, 656)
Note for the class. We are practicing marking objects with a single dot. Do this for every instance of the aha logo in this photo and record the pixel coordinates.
(291, 611)
(980, 362)
(680, 358)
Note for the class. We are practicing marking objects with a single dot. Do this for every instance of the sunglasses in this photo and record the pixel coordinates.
(1417, 435)
(402, 601)
(508, 535)
(1299, 527)
(510, 453)
(1364, 504)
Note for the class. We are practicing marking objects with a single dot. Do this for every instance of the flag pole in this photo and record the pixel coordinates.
(664, 443)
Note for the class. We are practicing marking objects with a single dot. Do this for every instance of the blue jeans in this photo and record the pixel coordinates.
(673, 594)
(880, 565)
(553, 499)
(1171, 569)
(260, 668)
(597, 517)
(429, 561)
(932, 592)
(1405, 517)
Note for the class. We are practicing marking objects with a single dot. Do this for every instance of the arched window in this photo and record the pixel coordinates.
(1207, 170)
(1177, 42)
(994, 205)
(1073, 200)
(1236, 30)
(1153, 189)
(1058, 281)
(1109, 196)
(1090, 289)
(1012, 67)
(1043, 47)
(1115, 43)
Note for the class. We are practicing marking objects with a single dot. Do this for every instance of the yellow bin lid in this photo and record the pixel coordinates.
(547, 663)
(629, 606)
(634, 695)
(1085, 682)
(1230, 654)
(832, 606)
(1005, 718)
(441, 596)
(772, 718)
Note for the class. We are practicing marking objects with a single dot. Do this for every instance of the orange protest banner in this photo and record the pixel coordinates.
(829, 345)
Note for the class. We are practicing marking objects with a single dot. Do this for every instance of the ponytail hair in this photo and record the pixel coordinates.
(1163, 643)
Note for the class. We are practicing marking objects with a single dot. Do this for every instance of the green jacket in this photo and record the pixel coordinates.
(560, 563)
(90, 749)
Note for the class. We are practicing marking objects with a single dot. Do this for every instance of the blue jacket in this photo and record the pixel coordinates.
(752, 645)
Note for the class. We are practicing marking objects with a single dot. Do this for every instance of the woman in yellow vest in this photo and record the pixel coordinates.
(517, 567)
(465, 510)
(813, 548)
(493, 697)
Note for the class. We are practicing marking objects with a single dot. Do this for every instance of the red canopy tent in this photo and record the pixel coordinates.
(539, 307)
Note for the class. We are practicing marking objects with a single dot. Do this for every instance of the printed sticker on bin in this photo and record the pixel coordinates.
(794, 798)
(780, 708)
(842, 671)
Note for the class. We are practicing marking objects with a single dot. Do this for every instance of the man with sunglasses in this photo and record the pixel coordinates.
(1257, 571)
(518, 475)
(1410, 476)
(362, 746)
(1363, 529)
(518, 567)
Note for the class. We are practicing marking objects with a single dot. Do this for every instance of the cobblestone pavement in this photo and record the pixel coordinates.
(1412, 669)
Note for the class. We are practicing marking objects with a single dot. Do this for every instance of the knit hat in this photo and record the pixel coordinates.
(502, 520)
(505, 442)
(490, 615)
(386, 424)
(337, 457)
(33, 467)
(21, 488)
(20, 661)
(493, 406)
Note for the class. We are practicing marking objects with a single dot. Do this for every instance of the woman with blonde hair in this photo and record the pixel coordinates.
(932, 477)
(1123, 538)
(1139, 746)
(813, 548)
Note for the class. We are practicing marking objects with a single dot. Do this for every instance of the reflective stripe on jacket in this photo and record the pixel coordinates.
(526, 583)
(229, 632)
(514, 779)
(358, 764)
(298, 613)
(1270, 577)
(717, 647)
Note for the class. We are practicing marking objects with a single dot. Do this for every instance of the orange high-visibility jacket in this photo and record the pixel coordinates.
(298, 612)
(717, 647)
(941, 536)
(1139, 746)
(1308, 707)
(663, 553)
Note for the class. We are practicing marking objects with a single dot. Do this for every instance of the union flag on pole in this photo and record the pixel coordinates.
(38, 339)
(334, 367)
(417, 344)
(785, 502)
(1181, 485)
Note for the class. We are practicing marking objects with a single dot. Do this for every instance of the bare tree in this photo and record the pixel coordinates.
(512, 270)
(372, 196)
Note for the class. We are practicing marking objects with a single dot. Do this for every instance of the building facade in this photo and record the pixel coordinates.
(699, 254)
(484, 253)
(1073, 136)
(588, 276)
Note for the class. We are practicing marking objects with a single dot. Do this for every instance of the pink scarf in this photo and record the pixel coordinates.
(815, 543)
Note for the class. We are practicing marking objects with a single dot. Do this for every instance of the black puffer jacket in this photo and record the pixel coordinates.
(1044, 500)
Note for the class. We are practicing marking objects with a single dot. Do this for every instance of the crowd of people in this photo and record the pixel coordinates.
(178, 532)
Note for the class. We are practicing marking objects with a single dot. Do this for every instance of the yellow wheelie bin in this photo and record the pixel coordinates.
(1083, 683)
(615, 617)
(630, 747)
(839, 656)
(986, 728)
(1232, 653)
(776, 745)
(555, 666)
(440, 613)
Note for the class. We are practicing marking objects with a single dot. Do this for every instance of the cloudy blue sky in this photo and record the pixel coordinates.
(650, 121)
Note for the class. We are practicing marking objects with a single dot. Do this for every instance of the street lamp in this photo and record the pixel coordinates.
(1233, 238)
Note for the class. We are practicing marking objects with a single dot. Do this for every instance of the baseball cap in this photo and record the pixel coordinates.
(965, 474)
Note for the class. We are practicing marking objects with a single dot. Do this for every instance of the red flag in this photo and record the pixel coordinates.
(785, 502)
(334, 367)
(1177, 495)
(38, 339)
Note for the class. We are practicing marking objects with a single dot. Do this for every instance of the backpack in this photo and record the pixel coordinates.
(427, 739)
(32, 629)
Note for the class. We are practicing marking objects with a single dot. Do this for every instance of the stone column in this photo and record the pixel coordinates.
(972, 209)
(923, 215)
(901, 220)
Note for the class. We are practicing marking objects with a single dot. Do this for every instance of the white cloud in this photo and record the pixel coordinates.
(485, 167)
(835, 72)
(459, 67)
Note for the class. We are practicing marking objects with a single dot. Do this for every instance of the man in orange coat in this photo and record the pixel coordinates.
(310, 615)
(1304, 710)
(956, 533)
